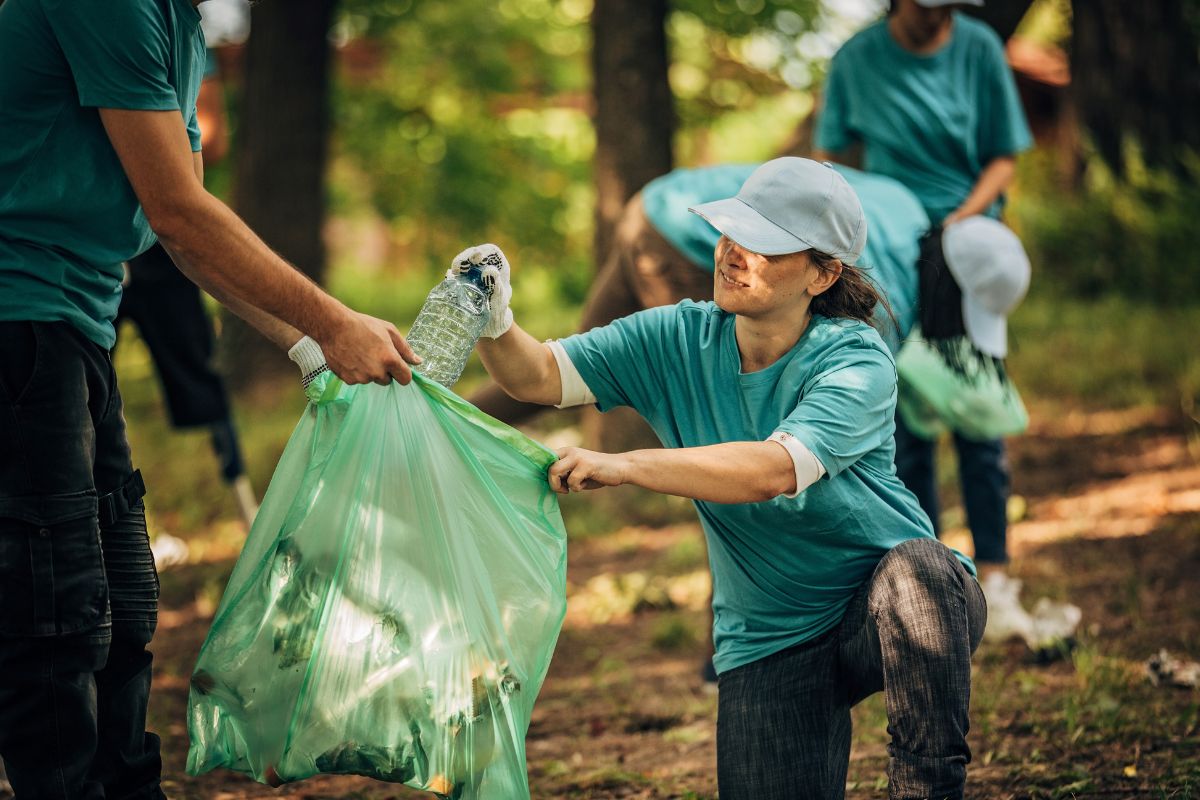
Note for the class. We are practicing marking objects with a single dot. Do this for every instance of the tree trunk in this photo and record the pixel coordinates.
(634, 109)
(1135, 71)
(282, 141)
(634, 121)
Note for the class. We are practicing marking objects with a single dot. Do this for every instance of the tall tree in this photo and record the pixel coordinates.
(634, 108)
(634, 119)
(282, 149)
(1135, 71)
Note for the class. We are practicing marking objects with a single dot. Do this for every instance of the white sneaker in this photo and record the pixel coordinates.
(1006, 618)
(168, 551)
(1047, 631)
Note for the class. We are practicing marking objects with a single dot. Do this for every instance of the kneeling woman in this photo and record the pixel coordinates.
(775, 403)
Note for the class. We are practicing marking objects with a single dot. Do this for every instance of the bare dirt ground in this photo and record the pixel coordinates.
(1108, 516)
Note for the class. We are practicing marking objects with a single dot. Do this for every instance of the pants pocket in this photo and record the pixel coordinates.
(132, 578)
(52, 579)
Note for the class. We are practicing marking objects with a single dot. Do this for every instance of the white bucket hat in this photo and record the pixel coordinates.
(789, 205)
(992, 269)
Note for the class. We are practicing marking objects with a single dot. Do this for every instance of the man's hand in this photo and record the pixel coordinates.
(578, 469)
(364, 349)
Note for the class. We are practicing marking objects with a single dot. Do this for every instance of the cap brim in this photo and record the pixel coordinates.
(748, 228)
(987, 329)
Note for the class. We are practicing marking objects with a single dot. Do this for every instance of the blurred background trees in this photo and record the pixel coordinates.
(394, 132)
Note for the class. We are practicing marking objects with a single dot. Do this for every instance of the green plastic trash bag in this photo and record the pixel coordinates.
(980, 403)
(396, 605)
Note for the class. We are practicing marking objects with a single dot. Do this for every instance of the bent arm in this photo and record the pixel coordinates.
(523, 367)
(276, 330)
(219, 252)
(733, 472)
(995, 178)
(209, 242)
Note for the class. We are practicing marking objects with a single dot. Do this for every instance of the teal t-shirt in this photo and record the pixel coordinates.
(895, 223)
(783, 570)
(68, 215)
(931, 122)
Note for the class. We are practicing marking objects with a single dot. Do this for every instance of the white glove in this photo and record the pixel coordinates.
(496, 274)
(308, 356)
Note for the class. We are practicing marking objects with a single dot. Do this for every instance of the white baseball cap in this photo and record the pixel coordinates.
(992, 269)
(789, 205)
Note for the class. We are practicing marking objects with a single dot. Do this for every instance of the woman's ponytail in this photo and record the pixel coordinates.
(852, 295)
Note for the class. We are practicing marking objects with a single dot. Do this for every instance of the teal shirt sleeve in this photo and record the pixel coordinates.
(1003, 130)
(833, 131)
(211, 65)
(847, 410)
(621, 362)
(193, 130)
(119, 52)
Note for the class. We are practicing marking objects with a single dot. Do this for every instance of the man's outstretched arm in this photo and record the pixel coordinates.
(221, 254)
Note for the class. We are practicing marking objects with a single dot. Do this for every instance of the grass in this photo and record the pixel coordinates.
(1089, 726)
(1110, 353)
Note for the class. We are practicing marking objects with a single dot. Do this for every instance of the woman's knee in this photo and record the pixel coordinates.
(913, 569)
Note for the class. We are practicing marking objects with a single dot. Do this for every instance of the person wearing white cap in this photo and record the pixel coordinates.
(775, 406)
(928, 95)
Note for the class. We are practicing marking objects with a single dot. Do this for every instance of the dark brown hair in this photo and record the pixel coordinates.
(852, 295)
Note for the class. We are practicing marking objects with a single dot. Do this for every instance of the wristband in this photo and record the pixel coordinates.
(308, 356)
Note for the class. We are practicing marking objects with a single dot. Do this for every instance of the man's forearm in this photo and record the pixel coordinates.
(992, 182)
(220, 253)
(276, 330)
(522, 366)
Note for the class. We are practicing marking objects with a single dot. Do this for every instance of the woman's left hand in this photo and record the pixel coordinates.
(578, 469)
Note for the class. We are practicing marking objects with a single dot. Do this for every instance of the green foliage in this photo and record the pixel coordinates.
(674, 633)
(467, 123)
(1134, 237)
(1108, 353)
(460, 122)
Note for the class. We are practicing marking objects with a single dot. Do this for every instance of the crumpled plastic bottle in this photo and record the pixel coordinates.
(452, 318)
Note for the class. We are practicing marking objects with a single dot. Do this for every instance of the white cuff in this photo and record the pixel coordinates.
(809, 468)
(308, 356)
(574, 391)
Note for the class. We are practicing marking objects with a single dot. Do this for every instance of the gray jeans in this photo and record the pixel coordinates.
(783, 726)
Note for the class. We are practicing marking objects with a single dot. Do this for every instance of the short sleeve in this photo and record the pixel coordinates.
(833, 132)
(848, 409)
(621, 362)
(212, 67)
(119, 52)
(193, 130)
(1003, 129)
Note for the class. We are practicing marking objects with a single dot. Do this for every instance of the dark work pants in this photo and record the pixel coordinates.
(982, 474)
(78, 589)
(783, 724)
(169, 313)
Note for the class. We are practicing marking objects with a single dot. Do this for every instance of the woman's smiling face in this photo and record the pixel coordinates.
(751, 284)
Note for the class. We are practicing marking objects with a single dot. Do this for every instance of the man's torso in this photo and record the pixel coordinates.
(68, 215)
